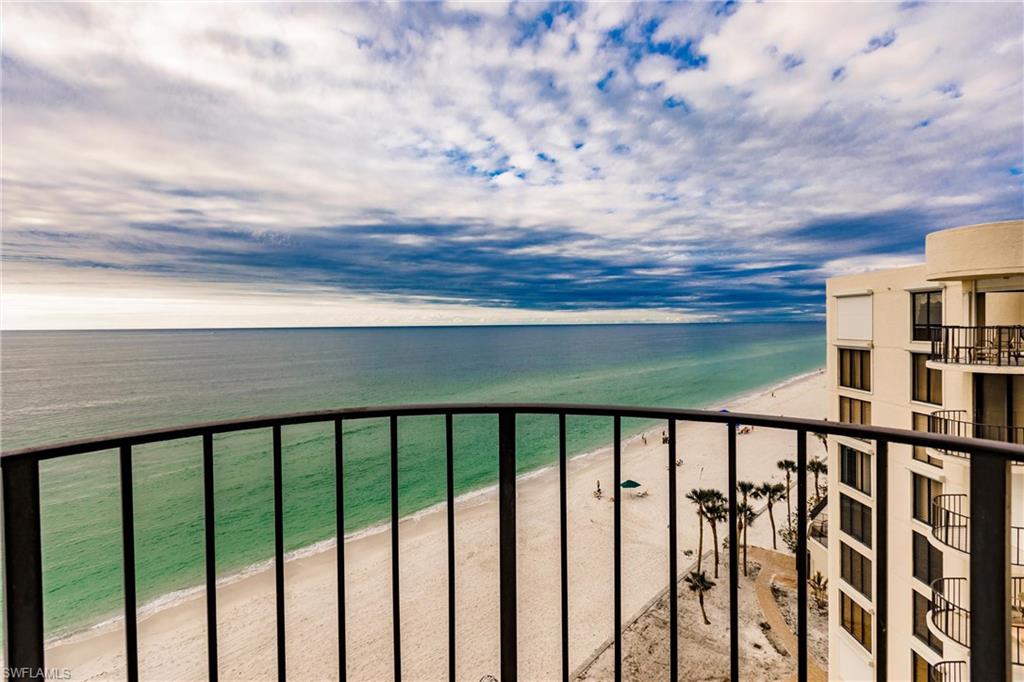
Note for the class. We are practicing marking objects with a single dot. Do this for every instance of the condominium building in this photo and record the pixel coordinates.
(934, 347)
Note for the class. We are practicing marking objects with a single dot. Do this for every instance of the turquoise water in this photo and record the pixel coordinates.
(62, 385)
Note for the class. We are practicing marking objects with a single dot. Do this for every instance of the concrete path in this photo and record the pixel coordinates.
(779, 568)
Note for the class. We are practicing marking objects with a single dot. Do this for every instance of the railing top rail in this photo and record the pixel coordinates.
(903, 436)
(978, 326)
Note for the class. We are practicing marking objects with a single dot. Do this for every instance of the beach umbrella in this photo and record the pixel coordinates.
(629, 483)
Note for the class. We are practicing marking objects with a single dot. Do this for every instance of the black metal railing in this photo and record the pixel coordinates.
(819, 530)
(950, 523)
(1002, 346)
(955, 423)
(948, 671)
(949, 612)
(23, 582)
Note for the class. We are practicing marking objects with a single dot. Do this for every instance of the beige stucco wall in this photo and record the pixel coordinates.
(976, 251)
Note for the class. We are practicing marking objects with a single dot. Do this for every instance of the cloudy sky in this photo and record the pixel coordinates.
(277, 165)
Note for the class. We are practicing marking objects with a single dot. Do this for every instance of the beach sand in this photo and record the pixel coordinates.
(172, 640)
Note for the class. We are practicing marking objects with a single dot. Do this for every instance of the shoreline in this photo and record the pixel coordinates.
(174, 598)
(172, 637)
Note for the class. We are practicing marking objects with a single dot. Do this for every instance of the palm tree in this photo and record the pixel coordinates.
(700, 585)
(715, 511)
(700, 497)
(819, 589)
(772, 493)
(745, 488)
(817, 467)
(789, 466)
(823, 439)
(745, 516)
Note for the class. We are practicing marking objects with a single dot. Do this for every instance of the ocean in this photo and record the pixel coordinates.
(57, 386)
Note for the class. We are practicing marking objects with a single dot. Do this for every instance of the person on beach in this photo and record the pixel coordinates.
(597, 493)
(643, 437)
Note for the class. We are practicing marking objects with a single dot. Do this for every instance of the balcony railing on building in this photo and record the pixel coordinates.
(984, 622)
(956, 423)
(1000, 346)
(948, 671)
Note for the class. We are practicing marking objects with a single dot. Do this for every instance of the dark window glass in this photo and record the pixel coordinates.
(855, 469)
(855, 368)
(855, 620)
(855, 569)
(920, 669)
(925, 490)
(926, 383)
(927, 560)
(927, 306)
(921, 605)
(853, 411)
(855, 519)
(921, 422)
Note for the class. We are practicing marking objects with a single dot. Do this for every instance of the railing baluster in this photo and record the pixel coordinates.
(617, 475)
(339, 530)
(131, 636)
(23, 579)
(507, 543)
(881, 560)
(210, 528)
(673, 577)
(396, 602)
(563, 518)
(282, 665)
(449, 449)
(734, 578)
(801, 555)
(989, 574)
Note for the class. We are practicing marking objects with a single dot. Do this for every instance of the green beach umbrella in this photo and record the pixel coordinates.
(629, 483)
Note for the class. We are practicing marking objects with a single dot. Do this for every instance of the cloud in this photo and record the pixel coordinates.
(504, 157)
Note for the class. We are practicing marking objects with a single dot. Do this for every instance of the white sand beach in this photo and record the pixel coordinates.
(173, 640)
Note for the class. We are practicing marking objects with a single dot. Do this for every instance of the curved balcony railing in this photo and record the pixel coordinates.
(948, 671)
(956, 423)
(950, 523)
(998, 346)
(949, 612)
(23, 543)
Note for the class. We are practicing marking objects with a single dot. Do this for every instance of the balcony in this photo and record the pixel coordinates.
(955, 423)
(991, 346)
(948, 671)
(949, 612)
(985, 623)
(949, 522)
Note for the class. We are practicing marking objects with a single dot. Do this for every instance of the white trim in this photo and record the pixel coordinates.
(860, 292)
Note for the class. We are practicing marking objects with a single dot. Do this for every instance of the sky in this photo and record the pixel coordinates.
(188, 165)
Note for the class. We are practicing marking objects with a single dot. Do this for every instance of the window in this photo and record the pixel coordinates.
(855, 469)
(921, 422)
(853, 317)
(920, 669)
(921, 605)
(853, 411)
(855, 519)
(927, 311)
(855, 620)
(927, 560)
(926, 383)
(855, 569)
(925, 490)
(855, 368)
